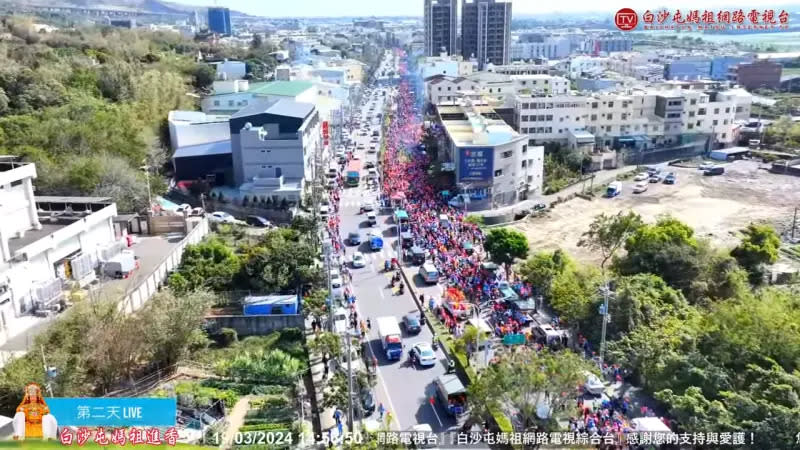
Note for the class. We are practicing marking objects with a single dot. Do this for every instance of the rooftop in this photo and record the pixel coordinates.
(476, 125)
(210, 148)
(284, 107)
(282, 88)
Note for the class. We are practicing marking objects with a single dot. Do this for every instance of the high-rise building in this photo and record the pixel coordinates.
(486, 31)
(219, 21)
(440, 27)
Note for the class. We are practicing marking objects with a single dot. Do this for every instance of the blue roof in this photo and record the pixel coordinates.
(211, 148)
(289, 299)
(401, 214)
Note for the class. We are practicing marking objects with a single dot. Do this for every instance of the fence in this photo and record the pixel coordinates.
(256, 325)
(138, 295)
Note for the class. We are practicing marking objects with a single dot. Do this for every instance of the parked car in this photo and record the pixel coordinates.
(670, 178)
(425, 355)
(640, 187)
(716, 170)
(641, 176)
(221, 217)
(411, 323)
(197, 212)
(358, 260)
(655, 178)
(258, 221)
(367, 400)
(705, 166)
(354, 238)
(184, 208)
(369, 165)
(593, 384)
(367, 206)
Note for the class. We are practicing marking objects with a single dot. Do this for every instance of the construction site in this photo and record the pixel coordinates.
(717, 207)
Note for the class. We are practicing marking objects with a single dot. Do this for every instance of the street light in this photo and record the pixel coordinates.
(603, 310)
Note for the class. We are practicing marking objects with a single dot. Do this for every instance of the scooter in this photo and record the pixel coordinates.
(402, 288)
(435, 343)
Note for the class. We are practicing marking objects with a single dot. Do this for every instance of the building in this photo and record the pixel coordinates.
(453, 65)
(219, 21)
(534, 67)
(580, 65)
(273, 144)
(721, 65)
(231, 96)
(761, 73)
(439, 20)
(195, 127)
(551, 118)
(123, 23)
(492, 161)
(688, 68)
(530, 46)
(608, 44)
(230, 70)
(46, 243)
(486, 31)
(543, 84)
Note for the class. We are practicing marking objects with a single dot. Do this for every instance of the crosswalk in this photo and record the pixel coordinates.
(377, 256)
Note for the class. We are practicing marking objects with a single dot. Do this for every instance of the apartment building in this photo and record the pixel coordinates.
(535, 67)
(608, 44)
(544, 84)
(486, 31)
(550, 118)
(492, 161)
(46, 243)
(453, 65)
(444, 90)
(529, 46)
(439, 19)
(579, 65)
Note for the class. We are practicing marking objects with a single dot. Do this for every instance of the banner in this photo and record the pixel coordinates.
(475, 164)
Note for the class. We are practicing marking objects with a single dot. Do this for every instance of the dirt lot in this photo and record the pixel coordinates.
(716, 207)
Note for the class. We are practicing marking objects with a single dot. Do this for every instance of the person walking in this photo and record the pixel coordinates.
(381, 411)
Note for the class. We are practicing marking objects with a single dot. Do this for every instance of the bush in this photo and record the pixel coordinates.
(272, 427)
(228, 336)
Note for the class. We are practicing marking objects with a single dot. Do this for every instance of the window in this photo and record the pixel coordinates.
(715, 122)
(549, 117)
(701, 112)
(724, 135)
(541, 118)
(440, 89)
(739, 109)
(727, 110)
(216, 102)
(524, 148)
(525, 118)
(508, 154)
(230, 102)
(533, 118)
(693, 101)
(673, 115)
(690, 126)
(540, 130)
(524, 163)
(498, 173)
(608, 128)
(593, 117)
(491, 90)
(610, 116)
(691, 113)
(526, 106)
(448, 88)
(716, 110)
(610, 104)
(699, 123)
(594, 105)
(725, 122)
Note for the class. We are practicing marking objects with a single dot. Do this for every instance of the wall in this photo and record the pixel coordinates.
(135, 298)
(256, 325)
(183, 134)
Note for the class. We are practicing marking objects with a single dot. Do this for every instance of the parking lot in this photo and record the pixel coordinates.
(716, 207)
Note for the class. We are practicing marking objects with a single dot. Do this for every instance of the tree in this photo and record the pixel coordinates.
(210, 264)
(759, 246)
(608, 233)
(573, 294)
(475, 219)
(540, 269)
(315, 304)
(326, 343)
(505, 245)
(525, 381)
(257, 41)
(204, 76)
(667, 248)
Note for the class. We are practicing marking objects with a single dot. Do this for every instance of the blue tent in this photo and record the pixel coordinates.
(263, 305)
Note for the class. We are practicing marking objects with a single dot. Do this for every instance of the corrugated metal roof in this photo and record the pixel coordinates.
(211, 148)
(291, 108)
(283, 88)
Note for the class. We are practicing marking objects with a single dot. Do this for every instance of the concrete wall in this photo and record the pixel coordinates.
(135, 298)
(256, 325)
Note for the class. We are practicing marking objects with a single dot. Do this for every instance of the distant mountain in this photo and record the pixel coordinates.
(151, 6)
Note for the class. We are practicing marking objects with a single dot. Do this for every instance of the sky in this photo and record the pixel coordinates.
(334, 8)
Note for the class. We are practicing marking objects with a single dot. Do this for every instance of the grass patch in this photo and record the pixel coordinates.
(289, 340)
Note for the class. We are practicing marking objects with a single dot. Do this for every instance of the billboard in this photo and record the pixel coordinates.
(475, 164)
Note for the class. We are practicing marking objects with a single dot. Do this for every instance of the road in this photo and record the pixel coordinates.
(404, 390)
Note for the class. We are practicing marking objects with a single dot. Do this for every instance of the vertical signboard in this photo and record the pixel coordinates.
(475, 164)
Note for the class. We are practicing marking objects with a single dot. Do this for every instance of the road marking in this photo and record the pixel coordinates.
(380, 291)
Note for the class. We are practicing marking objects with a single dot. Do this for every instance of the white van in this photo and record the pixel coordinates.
(340, 321)
(429, 273)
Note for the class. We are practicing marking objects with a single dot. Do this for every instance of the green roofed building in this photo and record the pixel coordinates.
(231, 96)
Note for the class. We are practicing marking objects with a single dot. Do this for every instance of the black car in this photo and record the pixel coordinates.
(258, 221)
(354, 238)
(367, 401)
(411, 323)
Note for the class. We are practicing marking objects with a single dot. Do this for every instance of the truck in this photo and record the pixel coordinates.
(390, 336)
(614, 189)
(452, 394)
(375, 241)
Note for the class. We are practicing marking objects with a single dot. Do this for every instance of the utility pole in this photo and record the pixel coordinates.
(794, 223)
(604, 313)
(349, 337)
(327, 249)
(46, 373)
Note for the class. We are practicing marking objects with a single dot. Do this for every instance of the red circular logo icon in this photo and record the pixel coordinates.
(626, 19)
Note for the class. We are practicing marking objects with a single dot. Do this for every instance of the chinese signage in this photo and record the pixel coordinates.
(119, 436)
(627, 19)
(113, 412)
(475, 164)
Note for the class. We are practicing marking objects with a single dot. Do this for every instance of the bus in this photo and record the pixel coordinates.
(353, 172)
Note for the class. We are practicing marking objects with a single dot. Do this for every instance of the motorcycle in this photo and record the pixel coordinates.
(402, 288)
(435, 343)
(387, 266)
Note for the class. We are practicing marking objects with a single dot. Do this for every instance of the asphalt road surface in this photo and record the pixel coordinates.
(404, 390)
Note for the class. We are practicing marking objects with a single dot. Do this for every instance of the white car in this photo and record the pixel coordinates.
(359, 260)
(221, 217)
(705, 166)
(367, 206)
(340, 321)
(641, 176)
(640, 187)
(424, 354)
(593, 384)
(184, 208)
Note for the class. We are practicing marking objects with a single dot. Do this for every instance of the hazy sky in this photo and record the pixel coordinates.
(332, 8)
